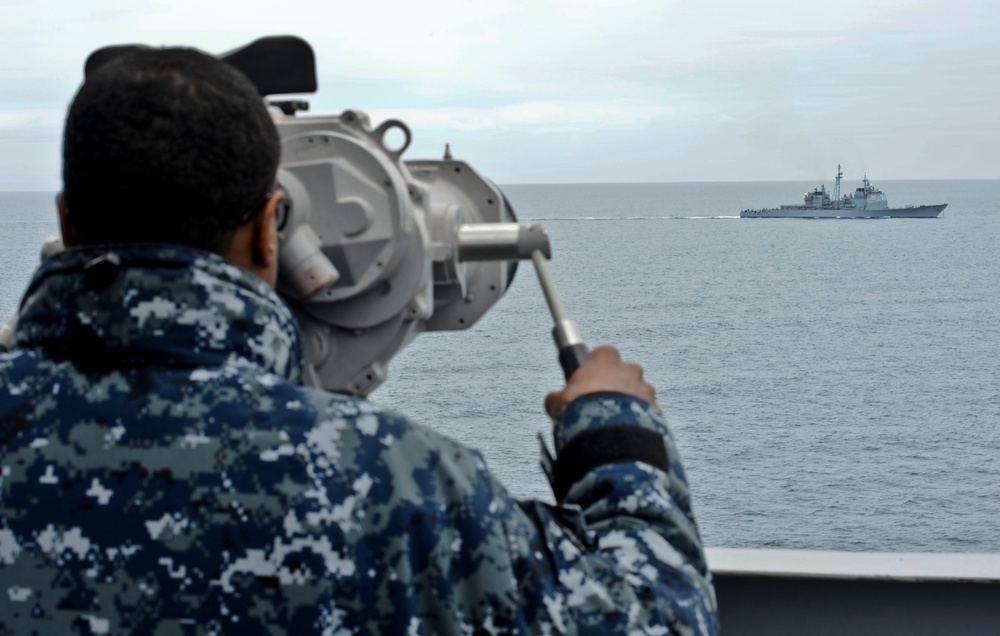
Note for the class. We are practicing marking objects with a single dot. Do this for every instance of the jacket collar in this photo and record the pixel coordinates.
(137, 305)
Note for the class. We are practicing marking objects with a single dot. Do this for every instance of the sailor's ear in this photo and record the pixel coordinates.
(65, 227)
(265, 239)
(254, 246)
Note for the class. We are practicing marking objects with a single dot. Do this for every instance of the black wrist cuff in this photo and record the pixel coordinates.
(606, 445)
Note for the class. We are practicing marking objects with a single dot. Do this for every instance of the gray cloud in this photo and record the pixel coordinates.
(580, 90)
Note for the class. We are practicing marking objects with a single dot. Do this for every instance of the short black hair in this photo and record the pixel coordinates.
(166, 145)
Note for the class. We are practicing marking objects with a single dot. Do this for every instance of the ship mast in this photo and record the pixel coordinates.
(836, 185)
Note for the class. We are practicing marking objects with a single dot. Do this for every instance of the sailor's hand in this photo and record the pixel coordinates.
(603, 370)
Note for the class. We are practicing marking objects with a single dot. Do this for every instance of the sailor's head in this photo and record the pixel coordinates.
(167, 145)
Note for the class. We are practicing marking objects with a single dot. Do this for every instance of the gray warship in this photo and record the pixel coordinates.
(867, 202)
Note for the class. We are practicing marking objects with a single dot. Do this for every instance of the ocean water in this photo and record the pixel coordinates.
(832, 384)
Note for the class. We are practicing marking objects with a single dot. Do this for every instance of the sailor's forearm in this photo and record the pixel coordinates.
(647, 493)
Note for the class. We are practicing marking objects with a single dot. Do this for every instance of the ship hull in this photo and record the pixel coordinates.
(794, 212)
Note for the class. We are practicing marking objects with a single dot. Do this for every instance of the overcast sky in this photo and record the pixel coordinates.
(559, 91)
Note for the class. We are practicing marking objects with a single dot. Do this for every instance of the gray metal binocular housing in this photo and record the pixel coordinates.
(374, 249)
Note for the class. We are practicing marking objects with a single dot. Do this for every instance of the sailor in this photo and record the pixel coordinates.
(163, 471)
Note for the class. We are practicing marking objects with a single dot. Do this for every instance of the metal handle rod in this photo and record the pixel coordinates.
(548, 286)
(569, 342)
(501, 241)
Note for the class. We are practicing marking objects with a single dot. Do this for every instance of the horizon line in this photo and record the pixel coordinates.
(578, 183)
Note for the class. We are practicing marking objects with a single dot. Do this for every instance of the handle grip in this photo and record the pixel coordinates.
(571, 357)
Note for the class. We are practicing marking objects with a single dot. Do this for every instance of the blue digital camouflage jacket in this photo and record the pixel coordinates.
(162, 473)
